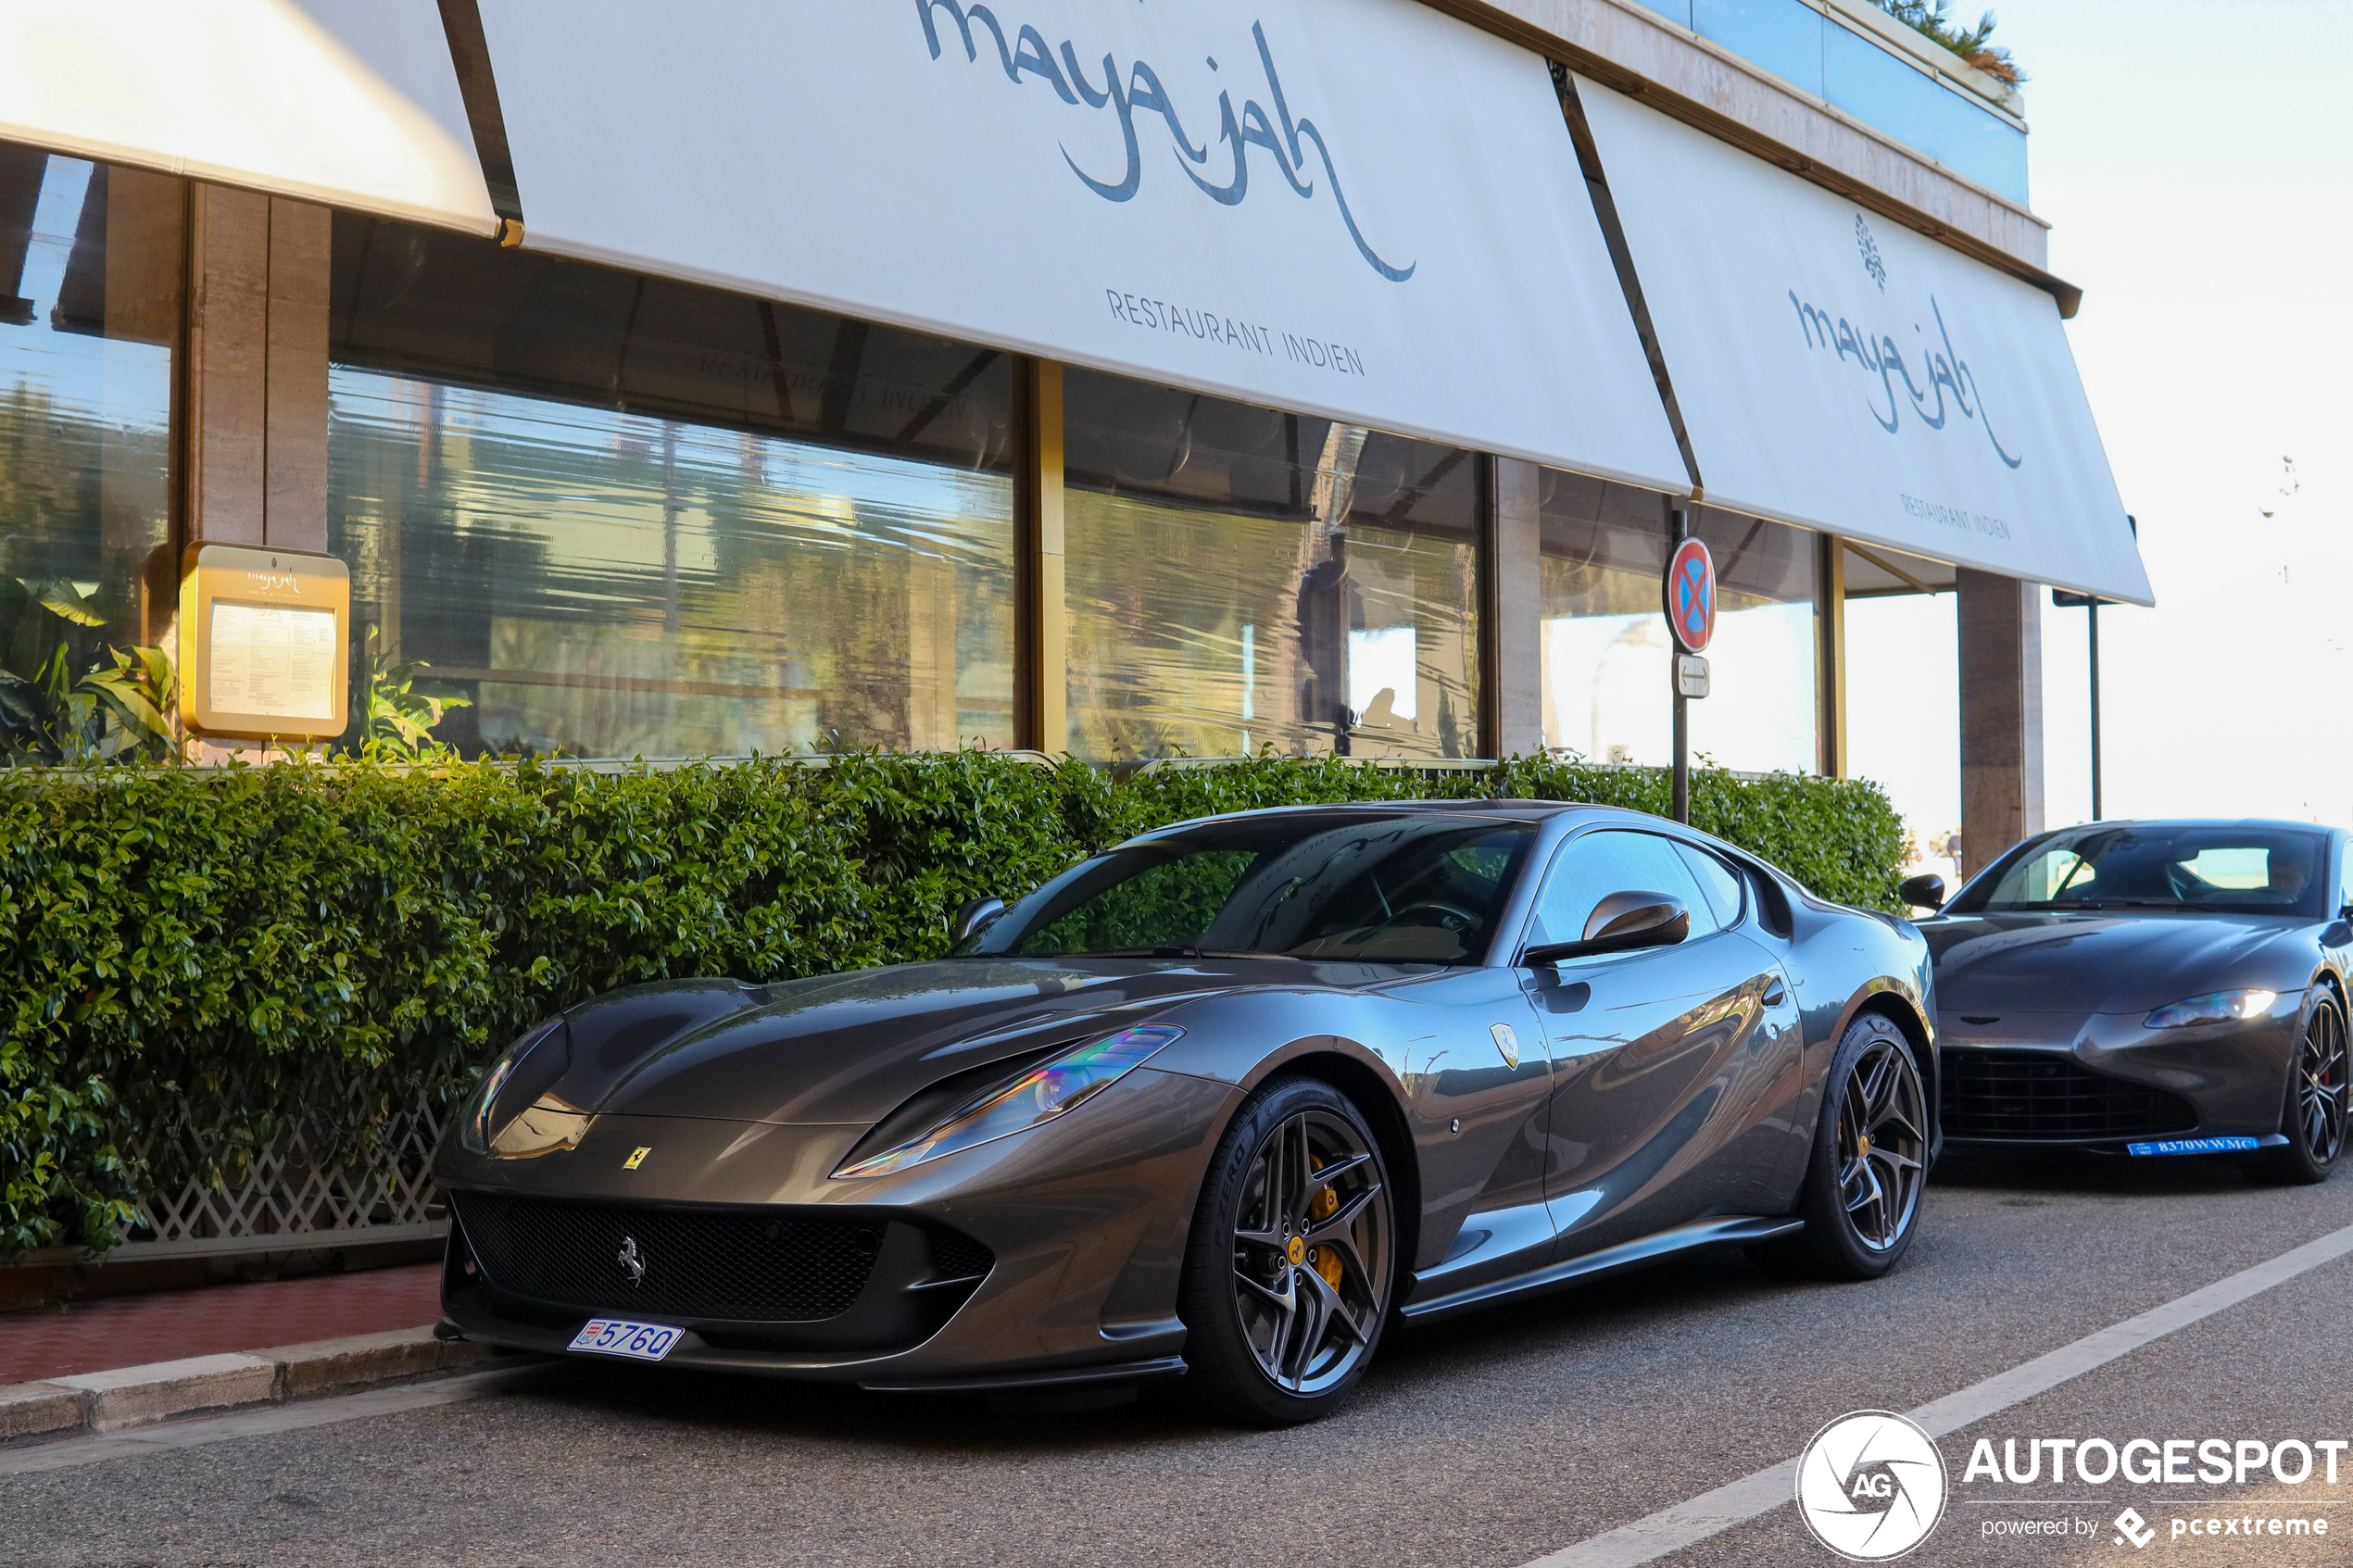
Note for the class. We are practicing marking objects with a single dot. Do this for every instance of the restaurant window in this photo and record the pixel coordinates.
(1237, 578)
(630, 517)
(1603, 646)
(1606, 654)
(90, 278)
(1761, 714)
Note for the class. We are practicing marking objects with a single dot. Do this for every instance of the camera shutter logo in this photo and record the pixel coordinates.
(1871, 1485)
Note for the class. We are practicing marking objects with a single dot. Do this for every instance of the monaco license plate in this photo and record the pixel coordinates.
(619, 1337)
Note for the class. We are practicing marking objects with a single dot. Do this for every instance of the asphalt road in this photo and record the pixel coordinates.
(1490, 1440)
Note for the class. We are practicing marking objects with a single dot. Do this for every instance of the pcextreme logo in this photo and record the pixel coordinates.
(1870, 1486)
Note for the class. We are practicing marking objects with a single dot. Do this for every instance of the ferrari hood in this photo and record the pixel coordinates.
(2103, 962)
(851, 1048)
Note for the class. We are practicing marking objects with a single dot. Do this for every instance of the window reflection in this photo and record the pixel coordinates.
(1761, 714)
(1605, 642)
(1607, 654)
(90, 268)
(1237, 577)
(634, 518)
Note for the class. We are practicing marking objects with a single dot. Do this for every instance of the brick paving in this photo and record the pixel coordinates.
(133, 1330)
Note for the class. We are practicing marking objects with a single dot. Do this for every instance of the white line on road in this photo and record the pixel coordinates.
(276, 1418)
(1671, 1529)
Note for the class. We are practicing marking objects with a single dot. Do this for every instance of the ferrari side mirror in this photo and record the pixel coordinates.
(1619, 923)
(1923, 892)
(974, 916)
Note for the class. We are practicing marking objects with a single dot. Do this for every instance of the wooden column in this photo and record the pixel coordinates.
(253, 379)
(1512, 615)
(1831, 680)
(2001, 663)
(254, 468)
(1041, 623)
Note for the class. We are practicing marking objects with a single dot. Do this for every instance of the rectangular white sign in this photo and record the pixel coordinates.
(1358, 208)
(1839, 371)
(274, 661)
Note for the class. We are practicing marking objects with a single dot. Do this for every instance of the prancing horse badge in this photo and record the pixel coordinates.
(1507, 1042)
(636, 1158)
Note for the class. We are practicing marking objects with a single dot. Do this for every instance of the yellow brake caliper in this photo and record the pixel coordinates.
(1322, 1207)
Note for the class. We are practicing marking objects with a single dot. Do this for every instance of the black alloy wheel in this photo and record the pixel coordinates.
(2314, 1116)
(1288, 1269)
(1861, 1196)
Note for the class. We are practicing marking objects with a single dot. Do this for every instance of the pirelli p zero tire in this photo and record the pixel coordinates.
(2314, 1115)
(1861, 1197)
(1288, 1268)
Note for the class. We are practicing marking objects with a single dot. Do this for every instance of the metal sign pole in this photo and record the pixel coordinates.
(1681, 530)
(2093, 611)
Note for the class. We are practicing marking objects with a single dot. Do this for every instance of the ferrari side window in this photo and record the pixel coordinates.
(1717, 880)
(1599, 864)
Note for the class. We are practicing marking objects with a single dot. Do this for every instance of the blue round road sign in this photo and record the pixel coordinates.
(1691, 596)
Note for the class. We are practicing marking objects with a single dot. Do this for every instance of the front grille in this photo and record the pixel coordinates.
(955, 1255)
(1997, 1094)
(748, 1265)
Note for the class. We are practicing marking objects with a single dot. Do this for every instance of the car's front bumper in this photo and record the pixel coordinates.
(2107, 1082)
(1049, 1256)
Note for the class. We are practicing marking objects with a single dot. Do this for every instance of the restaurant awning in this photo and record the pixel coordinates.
(1839, 371)
(349, 102)
(1370, 211)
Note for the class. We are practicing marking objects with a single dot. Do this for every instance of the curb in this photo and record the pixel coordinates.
(141, 1396)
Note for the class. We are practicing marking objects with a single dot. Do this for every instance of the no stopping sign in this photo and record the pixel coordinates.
(1691, 596)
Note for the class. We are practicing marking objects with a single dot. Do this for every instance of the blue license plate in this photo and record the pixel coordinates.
(2194, 1146)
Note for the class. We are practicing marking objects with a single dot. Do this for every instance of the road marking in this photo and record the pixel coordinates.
(1671, 1529)
(276, 1418)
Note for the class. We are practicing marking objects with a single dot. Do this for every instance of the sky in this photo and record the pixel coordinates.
(2196, 165)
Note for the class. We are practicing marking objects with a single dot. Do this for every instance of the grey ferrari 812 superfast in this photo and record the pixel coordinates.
(2152, 989)
(1224, 1101)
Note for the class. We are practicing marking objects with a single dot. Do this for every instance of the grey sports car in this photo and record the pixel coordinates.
(2152, 989)
(1224, 1101)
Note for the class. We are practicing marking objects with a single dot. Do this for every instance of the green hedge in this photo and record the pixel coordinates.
(326, 940)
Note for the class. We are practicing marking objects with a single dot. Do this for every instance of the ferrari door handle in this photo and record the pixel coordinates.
(1775, 994)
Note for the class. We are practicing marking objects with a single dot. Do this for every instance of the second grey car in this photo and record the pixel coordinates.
(2153, 989)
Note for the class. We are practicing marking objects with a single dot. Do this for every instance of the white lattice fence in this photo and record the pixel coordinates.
(304, 1186)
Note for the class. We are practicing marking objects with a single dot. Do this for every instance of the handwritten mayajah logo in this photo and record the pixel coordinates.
(1946, 372)
(1139, 90)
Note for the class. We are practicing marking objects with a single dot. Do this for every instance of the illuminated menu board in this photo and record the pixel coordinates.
(265, 643)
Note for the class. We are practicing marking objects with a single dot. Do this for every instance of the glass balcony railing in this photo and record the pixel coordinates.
(1826, 57)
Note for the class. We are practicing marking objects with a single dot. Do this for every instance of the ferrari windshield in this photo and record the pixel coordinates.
(1360, 886)
(2165, 866)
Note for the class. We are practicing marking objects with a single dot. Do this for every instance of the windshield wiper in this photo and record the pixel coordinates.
(1171, 950)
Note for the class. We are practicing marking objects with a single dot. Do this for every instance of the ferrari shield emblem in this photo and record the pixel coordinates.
(1505, 1042)
(636, 1158)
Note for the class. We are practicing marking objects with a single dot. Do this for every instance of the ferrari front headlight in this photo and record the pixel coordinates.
(2218, 1006)
(479, 1126)
(1039, 1094)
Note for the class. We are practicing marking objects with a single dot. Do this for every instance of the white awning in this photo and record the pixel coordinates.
(1364, 210)
(1841, 372)
(349, 102)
